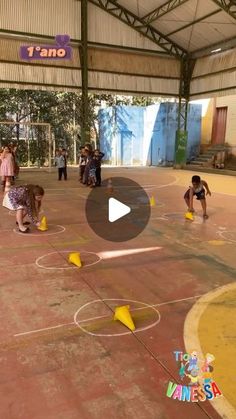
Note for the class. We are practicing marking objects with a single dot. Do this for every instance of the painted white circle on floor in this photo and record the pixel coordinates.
(180, 217)
(228, 235)
(119, 301)
(57, 261)
(59, 229)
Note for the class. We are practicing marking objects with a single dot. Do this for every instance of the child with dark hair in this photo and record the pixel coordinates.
(6, 168)
(82, 164)
(25, 200)
(61, 163)
(98, 156)
(89, 165)
(92, 173)
(198, 188)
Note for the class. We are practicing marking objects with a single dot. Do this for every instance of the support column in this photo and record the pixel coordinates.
(187, 67)
(85, 134)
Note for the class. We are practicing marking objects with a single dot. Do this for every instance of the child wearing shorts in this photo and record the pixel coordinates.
(198, 189)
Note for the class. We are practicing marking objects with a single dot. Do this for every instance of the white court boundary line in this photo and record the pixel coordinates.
(66, 267)
(191, 340)
(221, 234)
(104, 316)
(197, 221)
(141, 329)
(43, 233)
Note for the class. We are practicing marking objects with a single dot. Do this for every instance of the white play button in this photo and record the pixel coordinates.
(117, 210)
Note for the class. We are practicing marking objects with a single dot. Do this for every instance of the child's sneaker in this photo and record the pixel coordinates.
(205, 216)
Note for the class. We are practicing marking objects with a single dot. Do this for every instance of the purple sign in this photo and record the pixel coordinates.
(47, 52)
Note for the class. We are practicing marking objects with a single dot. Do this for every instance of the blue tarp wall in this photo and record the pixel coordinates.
(134, 135)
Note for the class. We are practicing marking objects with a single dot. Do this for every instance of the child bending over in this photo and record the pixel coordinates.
(25, 200)
(198, 188)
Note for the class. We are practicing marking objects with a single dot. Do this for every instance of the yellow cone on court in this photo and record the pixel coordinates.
(189, 216)
(43, 224)
(123, 315)
(75, 259)
(152, 201)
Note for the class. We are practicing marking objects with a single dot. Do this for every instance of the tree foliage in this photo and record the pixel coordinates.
(62, 110)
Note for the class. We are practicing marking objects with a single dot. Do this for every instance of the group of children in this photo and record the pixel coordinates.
(26, 200)
(9, 167)
(89, 165)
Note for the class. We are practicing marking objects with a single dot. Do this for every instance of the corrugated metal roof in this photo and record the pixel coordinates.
(49, 17)
(216, 28)
(189, 26)
(106, 29)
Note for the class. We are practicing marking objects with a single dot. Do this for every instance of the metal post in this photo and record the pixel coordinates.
(74, 135)
(187, 67)
(50, 148)
(84, 71)
(28, 147)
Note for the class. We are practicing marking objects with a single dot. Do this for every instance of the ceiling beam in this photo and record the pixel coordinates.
(141, 26)
(162, 10)
(200, 19)
(229, 6)
(34, 37)
(225, 45)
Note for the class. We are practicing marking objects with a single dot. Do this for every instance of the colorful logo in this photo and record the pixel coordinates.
(199, 373)
(47, 52)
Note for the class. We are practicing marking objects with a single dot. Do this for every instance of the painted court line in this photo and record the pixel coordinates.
(141, 329)
(62, 230)
(38, 264)
(191, 340)
(225, 232)
(104, 316)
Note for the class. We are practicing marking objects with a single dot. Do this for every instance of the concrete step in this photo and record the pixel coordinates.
(193, 167)
(216, 149)
(197, 163)
(202, 159)
(209, 153)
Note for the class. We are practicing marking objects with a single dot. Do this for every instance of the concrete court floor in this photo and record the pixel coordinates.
(53, 368)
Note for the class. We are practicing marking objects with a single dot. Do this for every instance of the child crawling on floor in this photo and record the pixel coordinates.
(198, 188)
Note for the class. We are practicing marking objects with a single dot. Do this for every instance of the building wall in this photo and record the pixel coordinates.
(230, 135)
(207, 120)
(134, 135)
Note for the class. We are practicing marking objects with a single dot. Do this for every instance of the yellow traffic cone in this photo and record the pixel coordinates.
(152, 202)
(123, 315)
(75, 259)
(189, 216)
(43, 225)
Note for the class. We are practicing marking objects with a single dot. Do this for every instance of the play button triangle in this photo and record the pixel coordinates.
(117, 210)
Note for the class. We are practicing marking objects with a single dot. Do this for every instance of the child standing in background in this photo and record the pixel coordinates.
(92, 173)
(6, 168)
(61, 163)
(82, 164)
(98, 155)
